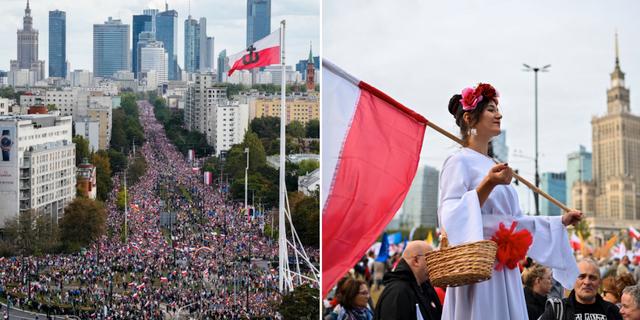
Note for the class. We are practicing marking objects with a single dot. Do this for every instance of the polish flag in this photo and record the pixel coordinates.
(633, 232)
(208, 177)
(164, 279)
(575, 242)
(370, 150)
(263, 52)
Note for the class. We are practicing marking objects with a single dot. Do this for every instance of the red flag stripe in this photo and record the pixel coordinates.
(266, 57)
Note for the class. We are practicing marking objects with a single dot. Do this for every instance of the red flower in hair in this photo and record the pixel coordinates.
(487, 91)
(472, 96)
(512, 246)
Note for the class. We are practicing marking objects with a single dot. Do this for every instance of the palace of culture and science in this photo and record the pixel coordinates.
(611, 201)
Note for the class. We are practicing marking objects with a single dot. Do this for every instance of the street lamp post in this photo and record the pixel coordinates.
(535, 70)
(246, 180)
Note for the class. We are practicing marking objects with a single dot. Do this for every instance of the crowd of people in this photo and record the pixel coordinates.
(210, 261)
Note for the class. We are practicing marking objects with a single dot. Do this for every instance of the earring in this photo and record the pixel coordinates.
(472, 132)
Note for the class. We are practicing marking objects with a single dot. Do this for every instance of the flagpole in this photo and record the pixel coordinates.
(282, 241)
(515, 175)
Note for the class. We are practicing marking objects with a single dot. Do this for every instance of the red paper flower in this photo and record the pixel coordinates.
(486, 90)
(512, 246)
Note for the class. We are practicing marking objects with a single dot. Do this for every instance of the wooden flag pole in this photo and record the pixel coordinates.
(515, 175)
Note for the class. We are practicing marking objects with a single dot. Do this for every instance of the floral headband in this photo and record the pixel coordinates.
(472, 96)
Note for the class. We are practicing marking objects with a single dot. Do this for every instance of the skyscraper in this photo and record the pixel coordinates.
(258, 20)
(28, 47)
(144, 38)
(167, 33)
(223, 64)
(210, 58)
(555, 184)
(420, 207)
(203, 45)
(110, 48)
(578, 169)
(499, 147)
(57, 44)
(141, 23)
(154, 57)
(191, 45)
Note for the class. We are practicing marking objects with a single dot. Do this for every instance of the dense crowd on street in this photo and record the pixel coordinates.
(211, 262)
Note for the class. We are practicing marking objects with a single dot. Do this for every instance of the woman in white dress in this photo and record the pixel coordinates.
(475, 197)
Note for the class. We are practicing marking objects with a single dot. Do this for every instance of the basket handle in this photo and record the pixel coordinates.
(444, 241)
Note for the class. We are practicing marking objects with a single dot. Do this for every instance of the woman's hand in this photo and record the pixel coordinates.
(500, 174)
(571, 218)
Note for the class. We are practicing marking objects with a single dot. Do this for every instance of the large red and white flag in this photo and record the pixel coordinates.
(370, 150)
(263, 52)
(633, 232)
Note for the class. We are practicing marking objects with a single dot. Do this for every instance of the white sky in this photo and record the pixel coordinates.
(422, 52)
(226, 21)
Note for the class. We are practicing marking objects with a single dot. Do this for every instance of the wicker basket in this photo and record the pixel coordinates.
(461, 265)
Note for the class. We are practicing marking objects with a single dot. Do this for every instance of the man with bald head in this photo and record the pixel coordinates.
(583, 302)
(408, 294)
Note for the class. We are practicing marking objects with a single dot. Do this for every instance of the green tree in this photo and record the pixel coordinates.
(51, 107)
(32, 233)
(307, 166)
(120, 200)
(100, 159)
(137, 169)
(8, 93)
(313, 129)
(296, 129)
(306, 217)
(117, 160)
(82, 149)
(83, 222)
(302, 303)
(266, 127)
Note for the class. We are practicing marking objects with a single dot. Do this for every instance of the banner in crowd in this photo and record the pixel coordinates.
(370, 151)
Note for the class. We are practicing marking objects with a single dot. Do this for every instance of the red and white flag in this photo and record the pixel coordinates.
(370, 151)
(634, 233)
(575, 242)
(208, 177)
(263, 52)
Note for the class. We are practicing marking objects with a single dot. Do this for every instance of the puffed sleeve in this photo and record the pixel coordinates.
(459, 211)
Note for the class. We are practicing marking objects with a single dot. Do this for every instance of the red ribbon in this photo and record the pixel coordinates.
(512, 246)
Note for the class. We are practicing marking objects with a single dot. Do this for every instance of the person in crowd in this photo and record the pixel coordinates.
(630, 303)
(408, 294)
(354, 302)
(537, 285)
(623, 267)
(583, 302)
(477, 198)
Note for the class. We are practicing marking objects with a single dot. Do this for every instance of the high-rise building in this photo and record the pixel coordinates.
(420, 207)
(144, 38)
(141, 23)
(578, 170)
(611, 201)
(258, 20)
(223, 65)
(499, 147)
(229, 125)
(203, 46)
(154, 57)
(167, 33)
(210, 59)
(28, 49)
(555, 184)
(191, 45)
(110, 48)
(203, 98)
(38, 165)
(57, 44)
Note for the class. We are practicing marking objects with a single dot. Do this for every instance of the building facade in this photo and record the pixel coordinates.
(203, 98)
(258, 20)
(299, 108)
(37, 171)
(578, 170)
(167, 33)
(154, 57)
(229, 125)
(110, 48)
(57, 44)
(141, 23)
(191, 45)
(555, 184)
(420, 207)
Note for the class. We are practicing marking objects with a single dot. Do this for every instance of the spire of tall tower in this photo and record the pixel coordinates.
(166, 6)
(617, 52)
(310, 53)
(27, 11)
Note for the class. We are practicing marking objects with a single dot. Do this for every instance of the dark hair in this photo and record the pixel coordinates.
(455, 108)
(350, 290)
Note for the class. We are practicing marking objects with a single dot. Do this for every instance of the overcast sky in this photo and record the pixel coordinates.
(423, 52)
(226, 21)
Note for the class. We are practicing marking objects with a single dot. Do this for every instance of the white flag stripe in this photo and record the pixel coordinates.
(340, 98)
(271, 40)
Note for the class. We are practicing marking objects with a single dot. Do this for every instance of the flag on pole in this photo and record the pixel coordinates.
(370, 151)
(191, 154)
(383, 254)
(263, 52)
(208, 177)
(634, 233)
(413, 230)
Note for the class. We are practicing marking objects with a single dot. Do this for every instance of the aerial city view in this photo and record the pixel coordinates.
(146, 170)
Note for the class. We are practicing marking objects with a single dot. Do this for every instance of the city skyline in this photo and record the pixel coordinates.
(424, 53)
(226, 21)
